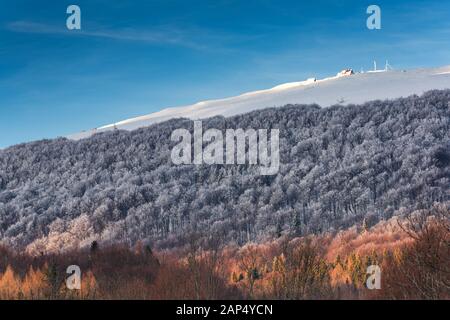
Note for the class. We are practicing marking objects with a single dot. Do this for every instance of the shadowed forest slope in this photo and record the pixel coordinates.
(340, 166)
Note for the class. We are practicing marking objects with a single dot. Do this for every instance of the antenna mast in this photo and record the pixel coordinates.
(388, 66)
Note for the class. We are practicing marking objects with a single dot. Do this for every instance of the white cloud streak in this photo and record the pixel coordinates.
(160, 35)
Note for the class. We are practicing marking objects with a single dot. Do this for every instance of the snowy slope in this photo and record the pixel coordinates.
(357, 88)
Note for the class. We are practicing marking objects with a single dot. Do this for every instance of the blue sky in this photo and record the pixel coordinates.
(136, 57)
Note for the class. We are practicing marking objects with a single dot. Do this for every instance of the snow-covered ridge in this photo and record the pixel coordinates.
(357, 88)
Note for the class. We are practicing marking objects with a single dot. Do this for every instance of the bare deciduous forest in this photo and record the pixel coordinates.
(339, 166)
(413, 255)
(358, 186)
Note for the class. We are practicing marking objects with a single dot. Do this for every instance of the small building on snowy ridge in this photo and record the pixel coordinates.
(346, 72)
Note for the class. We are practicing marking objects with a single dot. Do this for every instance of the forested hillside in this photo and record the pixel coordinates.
(340, 166)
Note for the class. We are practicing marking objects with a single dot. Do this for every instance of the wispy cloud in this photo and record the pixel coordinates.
(166, 35)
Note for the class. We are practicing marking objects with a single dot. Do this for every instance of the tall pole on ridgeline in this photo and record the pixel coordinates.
(388, 66)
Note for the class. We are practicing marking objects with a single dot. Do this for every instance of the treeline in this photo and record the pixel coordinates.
(413, 255)
(339, 165)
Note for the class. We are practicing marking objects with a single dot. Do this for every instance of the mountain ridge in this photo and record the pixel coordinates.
(339, 166)
(340, 89)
